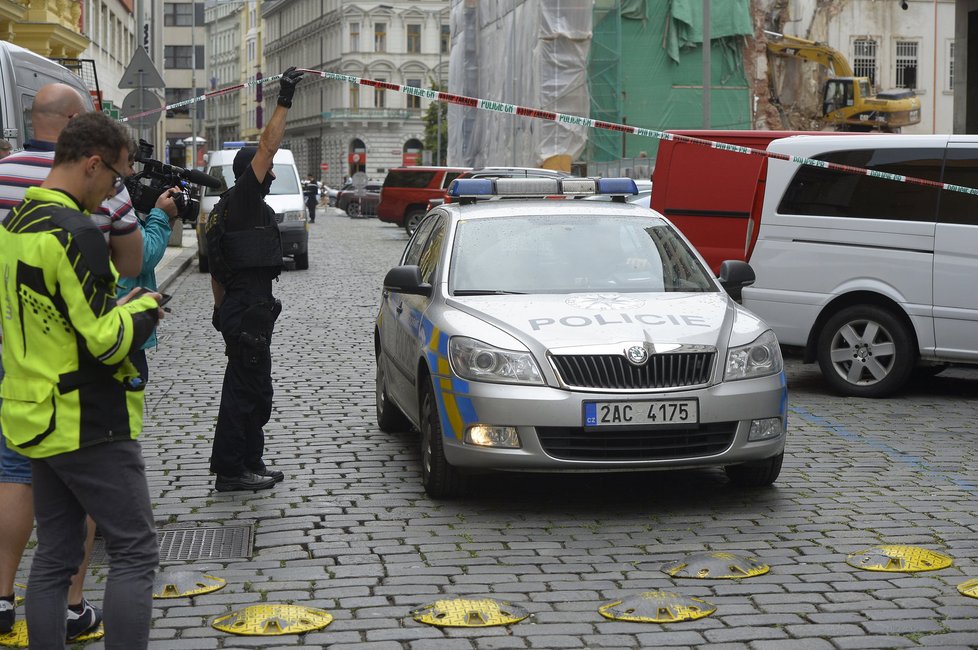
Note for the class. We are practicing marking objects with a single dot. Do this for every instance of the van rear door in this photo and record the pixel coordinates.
(956, 256)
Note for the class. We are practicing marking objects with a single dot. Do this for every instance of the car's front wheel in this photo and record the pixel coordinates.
(865, 351)
(412, 220)
(440, 480)
(390, 419)
(759, 473)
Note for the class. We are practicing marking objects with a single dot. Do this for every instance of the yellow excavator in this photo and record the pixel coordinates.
(848, 102)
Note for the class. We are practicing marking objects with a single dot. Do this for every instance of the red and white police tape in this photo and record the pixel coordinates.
(571, 120)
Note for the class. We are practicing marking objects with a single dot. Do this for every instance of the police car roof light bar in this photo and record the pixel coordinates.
(486, 188)
(617, 186)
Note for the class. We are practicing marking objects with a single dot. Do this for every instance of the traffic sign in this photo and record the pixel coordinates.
(138, 101)
(141, 72)
(324, 167)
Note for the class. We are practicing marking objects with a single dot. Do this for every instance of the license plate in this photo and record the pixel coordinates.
(645, 412)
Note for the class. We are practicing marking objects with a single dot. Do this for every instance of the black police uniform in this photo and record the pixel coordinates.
(251, 258)
(311, 192)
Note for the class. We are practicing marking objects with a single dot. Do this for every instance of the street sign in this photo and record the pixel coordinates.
(324, 167)
(138, 101)
(141, 72)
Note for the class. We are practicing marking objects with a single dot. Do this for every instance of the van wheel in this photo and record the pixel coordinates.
(390, 419)
(865, 351)
(202, 264)
(354, 210)
(412, 219)
(440, 480)
(301, 261)
(757, 474)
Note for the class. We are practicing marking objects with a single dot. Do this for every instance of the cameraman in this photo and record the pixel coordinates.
(156, 229)
(246, 255)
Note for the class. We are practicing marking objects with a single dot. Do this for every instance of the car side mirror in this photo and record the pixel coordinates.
(406, 279)
(734, 276)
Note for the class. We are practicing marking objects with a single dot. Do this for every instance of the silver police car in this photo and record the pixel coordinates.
(523, 332)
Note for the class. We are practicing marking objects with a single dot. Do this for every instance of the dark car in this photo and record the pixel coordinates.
(407, 191)
(359, 202)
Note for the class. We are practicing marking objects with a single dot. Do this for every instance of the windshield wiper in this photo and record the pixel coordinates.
(487, 292)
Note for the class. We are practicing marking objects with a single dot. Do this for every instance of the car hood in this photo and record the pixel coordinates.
(594, 319)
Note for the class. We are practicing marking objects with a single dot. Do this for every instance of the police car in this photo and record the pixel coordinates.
(525, 333)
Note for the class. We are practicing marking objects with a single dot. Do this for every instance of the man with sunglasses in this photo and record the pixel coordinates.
(70, 400)
(54, 105)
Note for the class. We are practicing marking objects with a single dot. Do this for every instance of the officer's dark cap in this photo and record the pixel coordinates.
(242, 159)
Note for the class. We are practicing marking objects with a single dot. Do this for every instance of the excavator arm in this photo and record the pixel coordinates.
(802, 48)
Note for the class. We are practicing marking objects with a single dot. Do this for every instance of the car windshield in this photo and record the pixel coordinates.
(572, 253)
(285, 180)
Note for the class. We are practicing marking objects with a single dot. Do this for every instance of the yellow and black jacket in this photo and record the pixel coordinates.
(68, 381)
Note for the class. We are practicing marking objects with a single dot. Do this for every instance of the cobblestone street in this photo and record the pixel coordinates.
(351, 531)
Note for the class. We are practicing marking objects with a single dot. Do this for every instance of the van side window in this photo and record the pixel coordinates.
(822, 192)
(960, 168)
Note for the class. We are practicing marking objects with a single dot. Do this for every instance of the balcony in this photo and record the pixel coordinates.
(372, 115)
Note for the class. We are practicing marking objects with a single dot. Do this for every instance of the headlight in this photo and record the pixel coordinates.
(758, 359)
(478, 361)
(294, 215)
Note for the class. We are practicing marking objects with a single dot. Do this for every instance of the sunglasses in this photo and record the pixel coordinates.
(119, 181)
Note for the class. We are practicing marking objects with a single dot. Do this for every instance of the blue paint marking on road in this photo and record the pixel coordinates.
(892, 453)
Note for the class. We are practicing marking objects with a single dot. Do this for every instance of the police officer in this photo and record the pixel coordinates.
(310, 189)
(246, 255)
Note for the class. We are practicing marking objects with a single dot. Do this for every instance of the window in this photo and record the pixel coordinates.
(178, 14)
(822, 192)
(178, 57)
(380, 95)
(445, 39)
(864, 59)
(174, 95)
(380, 37)
(959, 169)
(906, 64)
(354, 37)
(414, 39)
(413, 101)
(949, 81)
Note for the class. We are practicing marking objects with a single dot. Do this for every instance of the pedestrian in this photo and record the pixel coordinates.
(70, 400)
(245, 253)
(5, 149)
(54, 105)
(311, 191)
(156, 227)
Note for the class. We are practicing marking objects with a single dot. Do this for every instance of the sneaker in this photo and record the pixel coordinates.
(7, 615)
(244, 481)
(82, 623)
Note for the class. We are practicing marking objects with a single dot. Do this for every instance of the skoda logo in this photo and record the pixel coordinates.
(637, 355)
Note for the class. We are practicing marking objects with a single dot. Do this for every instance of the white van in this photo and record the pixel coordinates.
(22, 73)
(285, 197)
(871, 277)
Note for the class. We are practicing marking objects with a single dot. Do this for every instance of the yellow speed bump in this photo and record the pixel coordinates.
(717, 564)
(902, 559)
(462, 612)
(178, 584)
(969, 588)
(17, 637)
(657, 607)
(273, 620)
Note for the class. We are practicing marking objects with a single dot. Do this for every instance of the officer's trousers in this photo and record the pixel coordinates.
(246, 398)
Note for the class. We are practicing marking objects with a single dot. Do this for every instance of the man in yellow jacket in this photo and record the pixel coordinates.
(71, 398)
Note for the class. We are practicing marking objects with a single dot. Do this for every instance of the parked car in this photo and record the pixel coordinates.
(285, 197)
(532, 334)
(359, 202)
(407, 190)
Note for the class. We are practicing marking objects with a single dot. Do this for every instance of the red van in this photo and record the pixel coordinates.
(404, 197)
(714, 196)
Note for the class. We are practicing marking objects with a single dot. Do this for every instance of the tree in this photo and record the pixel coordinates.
(431, 124)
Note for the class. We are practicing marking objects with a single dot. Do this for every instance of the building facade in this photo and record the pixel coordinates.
(337, 129)
(184, 63)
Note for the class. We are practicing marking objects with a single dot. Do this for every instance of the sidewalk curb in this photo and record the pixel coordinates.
(176, 268)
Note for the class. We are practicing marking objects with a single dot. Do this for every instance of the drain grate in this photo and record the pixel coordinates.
(187, 544)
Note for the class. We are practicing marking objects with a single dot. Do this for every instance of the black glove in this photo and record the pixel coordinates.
(286, 86)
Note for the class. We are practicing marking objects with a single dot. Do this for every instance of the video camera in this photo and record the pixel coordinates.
(157, 177)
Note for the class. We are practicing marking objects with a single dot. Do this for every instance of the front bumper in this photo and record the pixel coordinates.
(295, 237)
(550, 426)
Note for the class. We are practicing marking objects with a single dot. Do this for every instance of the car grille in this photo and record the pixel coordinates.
(612, 371)
(659, 443)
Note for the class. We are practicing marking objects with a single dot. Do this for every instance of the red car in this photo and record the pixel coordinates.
(407, 190)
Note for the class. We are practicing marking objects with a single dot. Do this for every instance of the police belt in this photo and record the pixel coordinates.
(255, 248)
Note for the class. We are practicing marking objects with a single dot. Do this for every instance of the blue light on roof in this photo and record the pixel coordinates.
(617, 186)
(471, 187)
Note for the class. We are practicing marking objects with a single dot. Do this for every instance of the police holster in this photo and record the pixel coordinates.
(257, 321)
